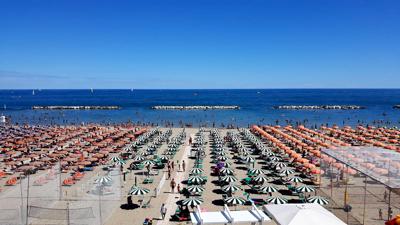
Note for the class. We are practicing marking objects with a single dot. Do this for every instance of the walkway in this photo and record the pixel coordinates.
(179, 177)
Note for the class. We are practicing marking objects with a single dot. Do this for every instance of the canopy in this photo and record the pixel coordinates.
(301, 214)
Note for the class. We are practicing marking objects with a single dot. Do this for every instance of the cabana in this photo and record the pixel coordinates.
(253, 216)
(301, 214)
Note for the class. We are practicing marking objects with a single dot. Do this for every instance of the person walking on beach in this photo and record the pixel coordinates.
(169, 174)
(172, 165)
(183, 165)
(179, 188)
(173, 184)
(163, 211)
(380, 214)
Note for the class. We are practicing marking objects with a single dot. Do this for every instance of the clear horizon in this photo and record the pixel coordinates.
(200, 44)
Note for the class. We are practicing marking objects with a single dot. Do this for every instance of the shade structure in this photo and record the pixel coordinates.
(192, 201)
(318, 200)
(235, 200)
(261, 178)
(268, 189)
(296, 179)
(196, 171)
(195, 179)
(231, 188)
(305, 188)
(226, 171)
(286, 171)
(195, 189)
(256, 171)
(138, 158)
(103, 180)
(229, 179)
(296, 214)
(277, 200)
(135, 190)
(148, 162)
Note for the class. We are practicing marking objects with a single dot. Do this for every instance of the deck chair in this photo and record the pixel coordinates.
(147, 204)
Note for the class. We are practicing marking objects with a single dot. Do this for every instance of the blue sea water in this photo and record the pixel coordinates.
(256, 106)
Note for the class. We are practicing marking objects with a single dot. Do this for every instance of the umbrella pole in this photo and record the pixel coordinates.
(100, 193)
(365, 198)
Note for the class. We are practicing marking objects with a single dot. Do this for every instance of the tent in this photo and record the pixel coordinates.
(254, 215)
(302, 214)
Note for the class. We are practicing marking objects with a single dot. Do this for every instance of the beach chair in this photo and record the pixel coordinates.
(148, 180)
(11, 181)
(147, 204)
(246, 180)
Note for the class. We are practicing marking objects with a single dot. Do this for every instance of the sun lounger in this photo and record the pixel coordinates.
(148, 180)
(147, 204)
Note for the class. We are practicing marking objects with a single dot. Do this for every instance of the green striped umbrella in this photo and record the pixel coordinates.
(148, 162)
(195, 179)
(192, 201)
(195, 189)
(286, 172)
(196, 171)
(274, 158)
(261, 179)
(305, 188)
(248, 159)
(268, 189)
(222, 158)
(279, 165)
(115, 159)
(135, 190)
(318, 200)
(120, 162)
(235, 200)
(226, 171)
(295, 179)
(229, 179)
(164, 158)
(138, 158)
(255, 171)
(104, 180)
(231, 188)
(277, 200)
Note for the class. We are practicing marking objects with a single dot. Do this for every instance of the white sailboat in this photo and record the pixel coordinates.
(91, 90)
(33, 92)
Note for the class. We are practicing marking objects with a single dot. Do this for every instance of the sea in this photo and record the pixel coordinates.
(256, 107)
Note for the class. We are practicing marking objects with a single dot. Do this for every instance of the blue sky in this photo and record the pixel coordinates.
(200, 44)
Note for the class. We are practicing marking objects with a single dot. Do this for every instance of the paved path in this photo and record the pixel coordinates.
(179, 176)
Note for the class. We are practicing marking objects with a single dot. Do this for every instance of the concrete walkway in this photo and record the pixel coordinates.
(179, 176)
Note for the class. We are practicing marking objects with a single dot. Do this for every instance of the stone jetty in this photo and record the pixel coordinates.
(196, 107)
(55, 107)
(319, 107)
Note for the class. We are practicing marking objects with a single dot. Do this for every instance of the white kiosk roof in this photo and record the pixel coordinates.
(302, 214)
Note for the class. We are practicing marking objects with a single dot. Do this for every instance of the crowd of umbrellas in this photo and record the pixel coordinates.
(27, 149)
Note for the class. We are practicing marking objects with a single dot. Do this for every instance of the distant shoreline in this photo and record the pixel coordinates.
(196, 107)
